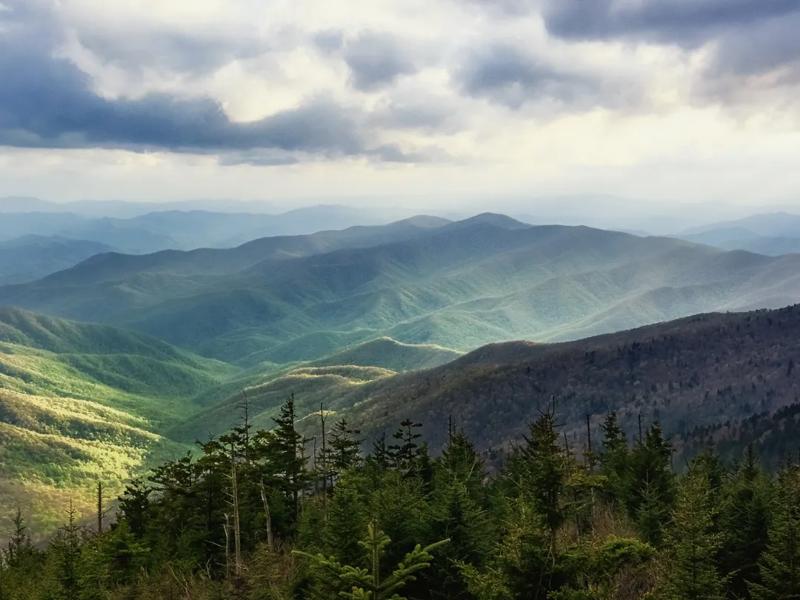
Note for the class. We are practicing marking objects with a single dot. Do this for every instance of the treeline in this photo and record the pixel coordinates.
(257, 515)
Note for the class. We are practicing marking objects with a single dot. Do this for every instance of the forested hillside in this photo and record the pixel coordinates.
(82, 404)
(255, 516)
(720, 379)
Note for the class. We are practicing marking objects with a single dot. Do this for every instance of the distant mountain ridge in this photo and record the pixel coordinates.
(459, 285)
(32, 257)
(772, 234)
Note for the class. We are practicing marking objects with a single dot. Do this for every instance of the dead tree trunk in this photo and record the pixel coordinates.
(267, 517)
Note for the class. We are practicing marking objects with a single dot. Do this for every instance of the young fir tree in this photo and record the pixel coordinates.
(521, 564)
(380, 456)
(779, 565)
(744, 519)
(693, 543)
(615, 459)
(374, 582)
(458, 512)
(344, 447)
(19, 549)
(134, 505)
(405, 452)
(284, 457)
(651, 485)
(539, 469)
(65, 555)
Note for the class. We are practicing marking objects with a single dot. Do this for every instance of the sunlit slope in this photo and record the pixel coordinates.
(84, 403)
(334, 381)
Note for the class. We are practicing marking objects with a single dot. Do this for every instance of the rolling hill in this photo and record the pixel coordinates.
(459, 285)
(32, 257)
(85, 403)
(727, 379)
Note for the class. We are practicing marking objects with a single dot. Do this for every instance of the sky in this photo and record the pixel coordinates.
(424, 102)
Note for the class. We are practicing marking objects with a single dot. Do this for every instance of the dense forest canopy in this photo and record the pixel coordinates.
(257, 515)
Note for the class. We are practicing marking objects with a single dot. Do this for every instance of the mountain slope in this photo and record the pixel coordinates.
(725, 377)
(460, 285)
(694, 375)
(32, 257)
(81, 403)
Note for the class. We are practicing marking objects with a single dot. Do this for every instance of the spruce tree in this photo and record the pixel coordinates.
(650, 491)
(744, 520)
(404, 453)
(344, 447)
(283, 451)
(540, 468)
(615, 459)
(65, 553)
(374, 582)
(779, 566)
(693, 543)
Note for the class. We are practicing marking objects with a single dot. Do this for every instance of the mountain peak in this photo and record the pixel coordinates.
(493, 219)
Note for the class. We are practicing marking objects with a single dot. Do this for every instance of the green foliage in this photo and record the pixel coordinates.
(779, 565)
(693, 542)
(358, 583)
(245, 519)
(539, 470)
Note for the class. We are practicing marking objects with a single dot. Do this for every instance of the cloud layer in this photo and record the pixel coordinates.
(451, 82)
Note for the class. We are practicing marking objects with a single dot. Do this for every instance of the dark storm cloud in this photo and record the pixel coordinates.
(47, 101)
(746, 37)
(376, 60)
(773, 44)
(511, 76)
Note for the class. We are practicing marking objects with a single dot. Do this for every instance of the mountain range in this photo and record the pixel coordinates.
(125, 358)
(420, 281)
(772, 234)
(174, 229)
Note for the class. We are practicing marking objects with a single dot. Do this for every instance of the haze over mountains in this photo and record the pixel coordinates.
(378, 322)
(458, 285)
(772, 234)
(174, 229)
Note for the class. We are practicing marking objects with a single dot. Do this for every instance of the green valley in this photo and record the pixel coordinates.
(85, 403)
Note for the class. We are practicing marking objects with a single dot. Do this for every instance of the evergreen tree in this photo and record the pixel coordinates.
(134, 506)
(405, 452)
(779, 566)
(522, 563)
(539, 469)
(744, 520)
(615, 459)
(358, 583)
(693, 543)
(344, 447)
(19, 550)
(380, 457)
(651, 484)
(65, 554)
(283, 454)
